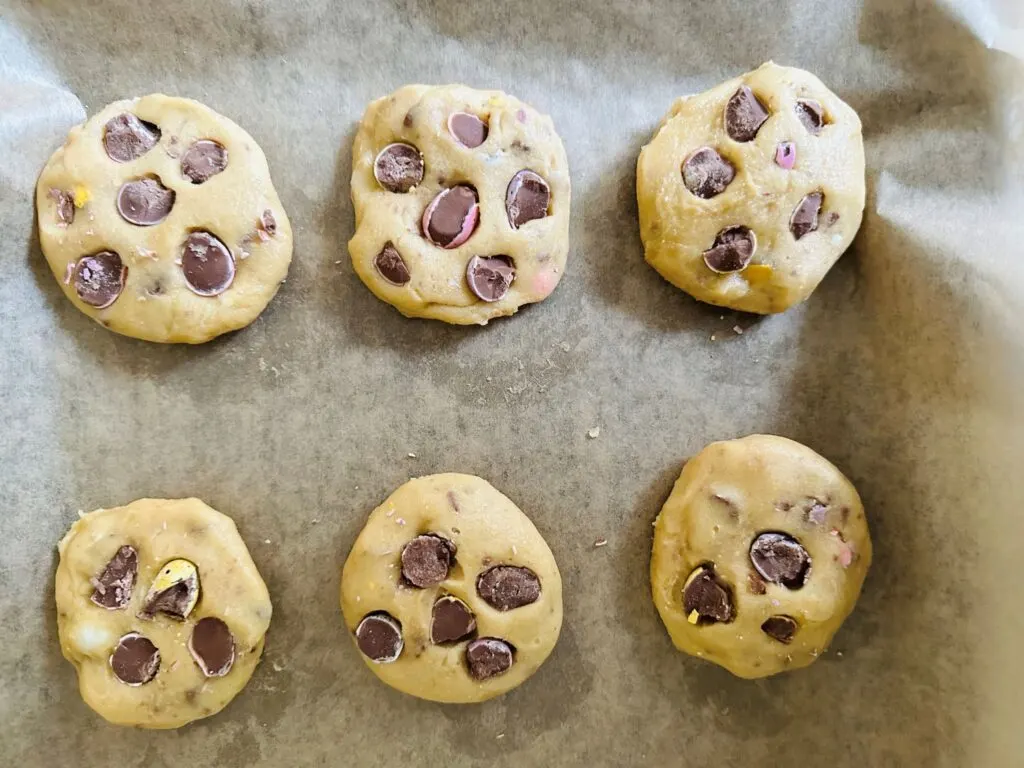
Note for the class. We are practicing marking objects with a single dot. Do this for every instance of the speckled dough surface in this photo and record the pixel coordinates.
(462, 203)
(759, 555)
(450, 592)
(749, 193)
(161, 610)
(159, 219)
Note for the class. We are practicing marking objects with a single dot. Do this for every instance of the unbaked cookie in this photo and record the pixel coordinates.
(462, 203)
(759, 555)
(161, 610)
(750, 192)
(159, 220)
(450, 593)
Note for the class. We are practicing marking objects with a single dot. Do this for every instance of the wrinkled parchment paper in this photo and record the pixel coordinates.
(904, 368)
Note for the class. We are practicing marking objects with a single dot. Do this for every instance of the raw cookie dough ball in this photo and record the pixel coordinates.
(161, 610)
(462, 203)
(450, 593)
(759, 555)
(750, 192)
(160, 221)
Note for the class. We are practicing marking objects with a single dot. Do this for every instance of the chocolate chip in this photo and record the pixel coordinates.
(99, 278)
(780, 559)
(203, 159)
(732, 250)
(391, 265)
(112, 589)
(379, 636)
(207, 263)
(706, 173)
(709, 597)
(451, 217)
(756, 584)
(490, 277)
(805, 216)
(212, 646)
(398, 167)
(833, 217)
(487, 657)
(426, 560)
(816, 512)
(811, 114)
(781, 628)
(135, 661)
(506, 587)
(174, 592)
(785, 155)
(144, 202)
(267, 226)
(451, 621)
(526, 198)
(126, 138)
(744, 115)
(469, 130)
(64, 207)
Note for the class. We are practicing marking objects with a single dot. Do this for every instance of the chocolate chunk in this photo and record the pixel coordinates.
(451, 217)
(398, 167)
(451, 621)
(64, 207)
(212, 646)
(174, 592)
(756, 584)
(781, 628)
(526, 198)
(144, 202)
(203, 159)
(706, 173)
(469, 130)
(135, 661)
(487, 657)
(709, 597)
(99, 278)
(785, 155)
(811, 114)
(816, 512)
(426, 560)
(780, 559)
(744, 115)
(506, 587)
(207, 263)
(805, 216)
(490, 277)
(732, 250)
(112, 589)
(391, 265)
(126, 138)
(267, 226)
(379, 636)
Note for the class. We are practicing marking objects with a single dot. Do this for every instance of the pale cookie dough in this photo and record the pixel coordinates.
(749, 193)
(449, 591)
(759, 555)
(462, 203)
(159, 219)
(161, 610)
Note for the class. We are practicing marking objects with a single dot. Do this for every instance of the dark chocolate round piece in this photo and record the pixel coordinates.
(144, 202)
(706, 173)
(506, 587)
(135, 660)
(451, 217)
(780, 559)
(379, 636)
(398, 167)
(805, 216)
(99, 278)
(212, 646)
(426, 560)
(732, 250)
(527, 198)
(202, 160)
(811, 115)
(207, 263)
(177, 599)
(451, 620)
(112, 589)
(709, 597)
(744, 115)
(126, 138)
(487, 657)
(391, 265)
(490, 277)
(469, 130)
(781, 628)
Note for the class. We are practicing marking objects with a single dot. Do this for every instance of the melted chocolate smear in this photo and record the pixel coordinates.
(780, 559)
(469, 130)
(379, 636)
(805, 216)
(527, 198)
(126, 138)
(488, 657)
(451, 621)
(398, 167)
(507, 587)
(203, 159)
(391, 265)
(744, 115)
(706, 173)
(710, 598)
(781, 628)
(732, 250)
(426, 560)
(811, 115)
(99, 278)
(144, 202)
(135, 660)
(212, 646)
(490, 277)
(112, 589)
(207, 263)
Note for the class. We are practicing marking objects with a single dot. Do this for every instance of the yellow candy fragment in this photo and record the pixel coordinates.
(175, 590)
(82, 195)
(694, 617)
(757, 273)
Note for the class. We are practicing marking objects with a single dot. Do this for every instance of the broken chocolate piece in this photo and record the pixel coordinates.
(212, 646)
(144, 202)
(490, 277)
(708, 597)
(781, 628)
(203, 159)
(379, 636)
(732, 250)
(174, 592)
(64, 207)
(426, 560)
(391, 265)
(398, 167)
(112, 589)
(805, 216)
(487, 657)
(126, 138)
(451, 620)
(785, 155)
(507, 587)
(99, 278)
(526, 198)
(451, 217)
(266, 228)
(469, 130)
(135, 661)
(744, 115)
(706, 173)
(811, 115)
(780, 559)
(207, 263)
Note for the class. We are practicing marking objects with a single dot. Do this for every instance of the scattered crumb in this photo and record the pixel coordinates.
(600, 543)
(839, 654)
(500, 736)
(277, 667)
(338, 261)
(721, 317)
(712, 337)
(263, 364)
(266, 541)
(515, 550)
(594, 432)
(400, 520)
(489, 378)
(725, 712)
(315, 520)
(737, 330)
(412, 455)
(565, 346)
